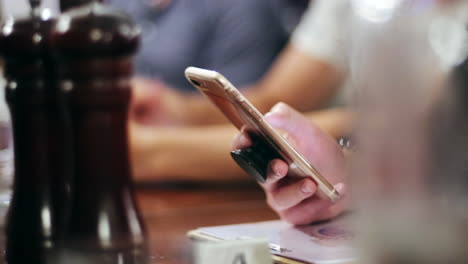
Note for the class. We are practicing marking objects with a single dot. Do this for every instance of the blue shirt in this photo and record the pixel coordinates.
(238, 38)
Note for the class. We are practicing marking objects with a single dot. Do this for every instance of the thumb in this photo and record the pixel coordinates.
(297, 126)
(319, 148)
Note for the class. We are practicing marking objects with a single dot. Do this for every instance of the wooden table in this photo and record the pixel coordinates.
(171, 211)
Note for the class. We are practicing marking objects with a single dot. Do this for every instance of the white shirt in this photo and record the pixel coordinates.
(322, 32)
(350, 34)
(448, 34)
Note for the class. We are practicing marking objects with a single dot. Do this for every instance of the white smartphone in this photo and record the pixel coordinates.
(245, 116)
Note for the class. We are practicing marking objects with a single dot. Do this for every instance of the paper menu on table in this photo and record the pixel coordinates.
(323, 243)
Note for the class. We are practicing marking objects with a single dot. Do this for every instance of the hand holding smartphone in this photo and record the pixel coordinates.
(268, 143)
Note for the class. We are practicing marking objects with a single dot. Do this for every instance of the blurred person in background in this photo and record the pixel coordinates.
(307, 75)
(238, 38)
(164, 106)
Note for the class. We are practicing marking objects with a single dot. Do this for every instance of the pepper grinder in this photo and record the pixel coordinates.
(41, 136)
(94, 47)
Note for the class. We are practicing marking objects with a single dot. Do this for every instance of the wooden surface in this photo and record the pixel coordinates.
(171, 211)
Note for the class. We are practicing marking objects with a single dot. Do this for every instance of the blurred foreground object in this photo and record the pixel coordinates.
(41, 142)
(94, 47)
(68, 89)
(6, 153)
(246, 251)
(410, 172)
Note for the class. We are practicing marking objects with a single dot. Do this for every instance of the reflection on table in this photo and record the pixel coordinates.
(170, 211)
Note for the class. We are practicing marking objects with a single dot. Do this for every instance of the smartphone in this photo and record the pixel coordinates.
(245, 116)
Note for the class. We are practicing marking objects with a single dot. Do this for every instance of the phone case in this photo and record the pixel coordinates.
(268, 143)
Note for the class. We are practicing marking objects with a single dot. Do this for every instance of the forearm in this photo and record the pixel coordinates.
(303, 82)
(195, 154)
(202, 153)
(337, 122)
(196, 110)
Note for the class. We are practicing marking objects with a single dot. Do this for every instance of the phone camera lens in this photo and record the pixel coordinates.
(195, 82)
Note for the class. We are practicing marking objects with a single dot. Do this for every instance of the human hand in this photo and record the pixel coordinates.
(293, 198)
(151, 103)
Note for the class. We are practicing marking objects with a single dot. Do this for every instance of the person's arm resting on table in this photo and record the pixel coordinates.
(202, 153)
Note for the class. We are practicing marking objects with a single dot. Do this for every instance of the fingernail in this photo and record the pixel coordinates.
(340, 187)
(279, 108)
(275, 172)
(306, 188)
(243, 140)
(277, 115)
(278, 176)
